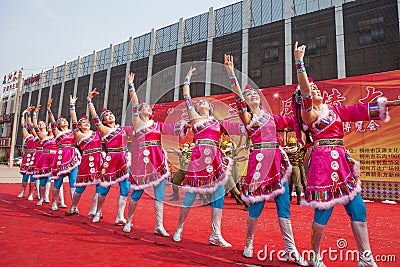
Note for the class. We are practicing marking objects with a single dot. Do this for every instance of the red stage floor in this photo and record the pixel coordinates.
(37, 236)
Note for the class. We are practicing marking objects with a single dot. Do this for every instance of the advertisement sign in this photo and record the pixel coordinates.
(9, 84)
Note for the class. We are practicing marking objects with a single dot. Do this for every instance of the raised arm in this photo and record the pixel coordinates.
(29, 121)
(193, 115)
(51, 117)
(136, 121)
(25, 132)
(230, 70)
(102, 129)
(74, 119)
(393, 103)
(302, 77)
(35, 123)
(307, 113)
(237, 91)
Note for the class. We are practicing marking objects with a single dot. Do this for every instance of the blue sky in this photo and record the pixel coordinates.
(40, 34)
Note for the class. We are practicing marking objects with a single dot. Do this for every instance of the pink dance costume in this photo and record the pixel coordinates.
(151, 166)
(333, 176)
(47, 159)
(36, 156)
(68, 156)
(28, 158)
(208, 168)
(114, 168)
(268, 167)
(92, 160)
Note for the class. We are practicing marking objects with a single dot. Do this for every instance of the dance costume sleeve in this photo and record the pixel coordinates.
(375, 110)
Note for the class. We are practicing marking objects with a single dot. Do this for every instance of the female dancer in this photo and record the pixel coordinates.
(35, 158)
(268, 166)
(46, 161)
(90, 167)
(29, 151)
(208, 170)
(68, 156)
(152, 167)
(333, 176)
(114, 169)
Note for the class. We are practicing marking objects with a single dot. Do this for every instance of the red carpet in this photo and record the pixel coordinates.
(37, 236)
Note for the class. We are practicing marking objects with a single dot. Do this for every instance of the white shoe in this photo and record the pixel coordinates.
(21, 195)
(71, 212)
(248, 251)
(54, 206)
(97, 217)
(127, 228)
(295, 257)
(219, 241)
(40, 202)
(178, 235)
(161, 231)
(62, 205)
(30, 197)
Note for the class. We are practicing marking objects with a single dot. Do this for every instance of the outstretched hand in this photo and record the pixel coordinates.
(299, 51)
(93, 93)
(190, 72)
(37, 108)
(49, 103)
(131, 77)
(228, 63)
(393, 103)
(72, 99)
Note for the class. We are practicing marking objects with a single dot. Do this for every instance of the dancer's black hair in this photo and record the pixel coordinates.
(296, 106)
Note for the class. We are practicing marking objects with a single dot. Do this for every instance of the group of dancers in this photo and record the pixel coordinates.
(51, 152)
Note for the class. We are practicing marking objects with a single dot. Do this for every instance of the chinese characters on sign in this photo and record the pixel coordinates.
(380, 162)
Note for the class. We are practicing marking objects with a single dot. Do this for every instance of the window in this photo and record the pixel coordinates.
(196, 29)
(317, 45)
(228, 19)
(270, 52)
(167, 38)
(59, 74)
(48, 76)
(103, 59)
(71, 69)
(121, 54)
(301, 7)
(141, 47)
(371, 31)
(264, 12)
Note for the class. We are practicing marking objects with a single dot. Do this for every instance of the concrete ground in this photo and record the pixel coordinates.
(9, 175)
